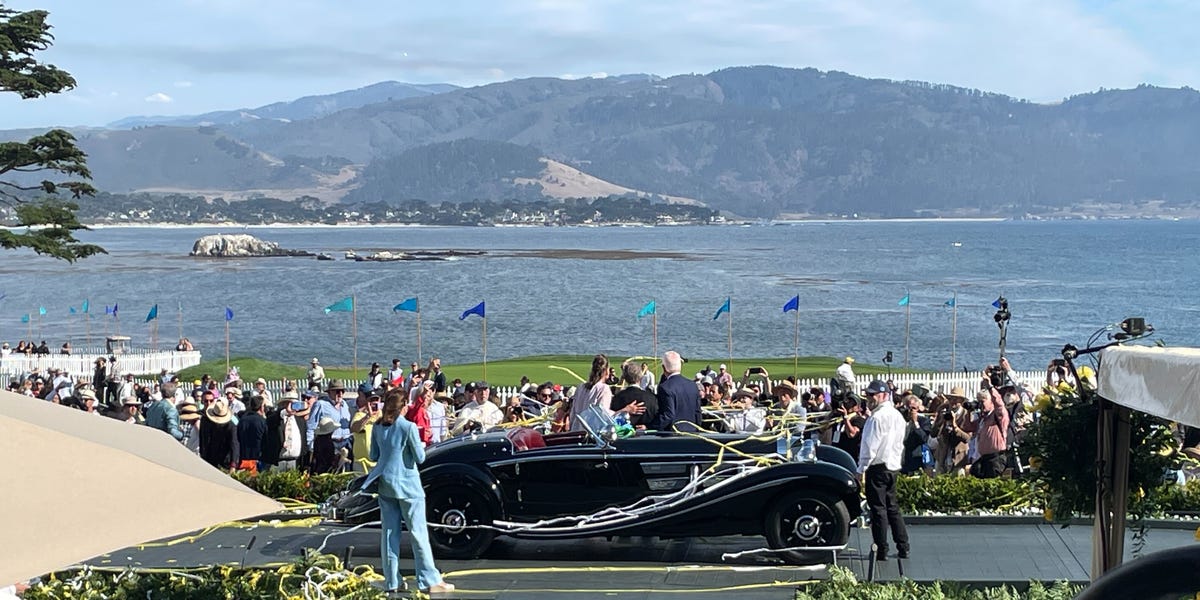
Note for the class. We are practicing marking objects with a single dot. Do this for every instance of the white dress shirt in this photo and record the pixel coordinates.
(882, 438)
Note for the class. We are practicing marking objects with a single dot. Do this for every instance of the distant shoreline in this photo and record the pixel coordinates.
(533, 226)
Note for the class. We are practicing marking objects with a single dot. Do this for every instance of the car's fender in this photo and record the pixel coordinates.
(467, 475)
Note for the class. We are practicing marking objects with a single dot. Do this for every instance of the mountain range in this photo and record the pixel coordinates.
(754, 141)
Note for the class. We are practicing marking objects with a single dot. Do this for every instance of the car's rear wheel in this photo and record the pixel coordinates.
(455, 514)
(807, 519)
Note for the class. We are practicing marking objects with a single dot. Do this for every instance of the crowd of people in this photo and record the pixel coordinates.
(314, 425)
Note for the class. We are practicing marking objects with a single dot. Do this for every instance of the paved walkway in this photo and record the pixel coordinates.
(651, 568)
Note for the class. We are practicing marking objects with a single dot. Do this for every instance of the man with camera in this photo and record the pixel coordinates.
(879, 462)
(916, 434)
(952, 437)
(990, 426)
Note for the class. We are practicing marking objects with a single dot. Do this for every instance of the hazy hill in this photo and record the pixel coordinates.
(295, 110)
(754, 140)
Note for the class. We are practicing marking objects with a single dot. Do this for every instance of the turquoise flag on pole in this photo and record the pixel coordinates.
(950, 303)
(41, 310)
(648, 309)
(409, 305)
(153, 314)
(86, 306)
(344, 305)
(25, 318)
(72, 310)
(724, 309)
(478, 309)
(903, 301)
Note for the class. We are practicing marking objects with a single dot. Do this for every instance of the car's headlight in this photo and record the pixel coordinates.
(807, 452)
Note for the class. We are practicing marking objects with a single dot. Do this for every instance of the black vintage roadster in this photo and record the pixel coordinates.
(519, 482)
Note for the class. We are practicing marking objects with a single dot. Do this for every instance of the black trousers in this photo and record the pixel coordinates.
(885, 512)
(990, 465)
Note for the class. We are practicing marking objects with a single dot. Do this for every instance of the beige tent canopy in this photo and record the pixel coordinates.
(1164, 382)
(78, 485)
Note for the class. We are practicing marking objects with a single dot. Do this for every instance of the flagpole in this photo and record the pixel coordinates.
(654, 334)
(796, 344)
(729, 314)
(419, 359)
(953, 330)
(227, 342)
(907, 314)
(180, 321)
(88, 316)
(485, 348)
(154, 335)
(354, 331)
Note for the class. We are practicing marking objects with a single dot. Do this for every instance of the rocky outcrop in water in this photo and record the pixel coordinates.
(239, 245)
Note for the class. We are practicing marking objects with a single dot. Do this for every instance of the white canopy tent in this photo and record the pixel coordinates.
(1164, 382)
(77, 485)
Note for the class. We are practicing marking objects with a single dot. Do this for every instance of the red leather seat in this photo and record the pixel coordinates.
(524, 438)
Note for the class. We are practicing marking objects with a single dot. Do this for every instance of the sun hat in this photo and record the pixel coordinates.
(131, 401)
(219, 412)
(261, 380)
(744, 393)
(723, 367)
(849, 360)
(87, 394)
(787, 386)
(326, 426)
(188, 411)
(291, 395)
(315, 361)
(335, 385)
(235, 390)
(957, 392)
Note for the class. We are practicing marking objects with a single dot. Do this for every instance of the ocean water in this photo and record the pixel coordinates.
(578, 290)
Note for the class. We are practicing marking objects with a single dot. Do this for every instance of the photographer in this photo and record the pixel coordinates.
(1057, 372)
(952, 437)
(916, 435)
(990, 426)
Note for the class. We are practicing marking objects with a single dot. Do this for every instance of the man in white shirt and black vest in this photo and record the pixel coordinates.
(879, 462)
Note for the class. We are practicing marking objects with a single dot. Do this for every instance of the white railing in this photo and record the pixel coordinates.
(83, 364)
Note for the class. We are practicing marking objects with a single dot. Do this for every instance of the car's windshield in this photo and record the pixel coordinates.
(598, 423)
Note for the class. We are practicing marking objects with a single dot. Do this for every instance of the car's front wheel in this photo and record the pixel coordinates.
(807, 519)
(456, 514)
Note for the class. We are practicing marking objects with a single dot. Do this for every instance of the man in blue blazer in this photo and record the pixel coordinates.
(678, 398)
(397, 451)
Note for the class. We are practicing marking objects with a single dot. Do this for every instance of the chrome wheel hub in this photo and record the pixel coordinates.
(454, 520)
(807, 528)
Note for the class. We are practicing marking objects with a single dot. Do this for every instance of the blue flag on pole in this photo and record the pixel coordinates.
(228, 314)
(344, 305)
(903, 301)
(72, 310)
(793, 304)
(950, 303)
(996, 304)
(42, 310)
(86, 306)
(475, 310)
(648, 309)
(114, 310)
(25, 318)
(724, 309)
(3, 295)
(107, 309)
(478, 309)
(409, 305)
(153, 314)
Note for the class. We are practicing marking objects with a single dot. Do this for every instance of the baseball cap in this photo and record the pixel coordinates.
(723, 366)
(877, 386)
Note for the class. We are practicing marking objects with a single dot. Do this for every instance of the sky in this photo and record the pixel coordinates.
(177, 57)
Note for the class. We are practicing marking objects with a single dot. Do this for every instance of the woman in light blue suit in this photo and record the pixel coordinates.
(396, 449)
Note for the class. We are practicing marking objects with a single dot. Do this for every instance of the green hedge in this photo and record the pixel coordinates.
(323, 576)
(297, 485)
(948, 494)
(842, 585)
(1180, 498)
(294, 581)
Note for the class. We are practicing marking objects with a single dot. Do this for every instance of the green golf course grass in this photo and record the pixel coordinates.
(566, 369)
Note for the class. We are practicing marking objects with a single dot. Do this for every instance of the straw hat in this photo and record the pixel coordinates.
(131, 401)
(957, 392)
(786, 385)
(219, 412)
(87, 394)
(326, 426)
(335, 385)
(291, 395)
(188, 411)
